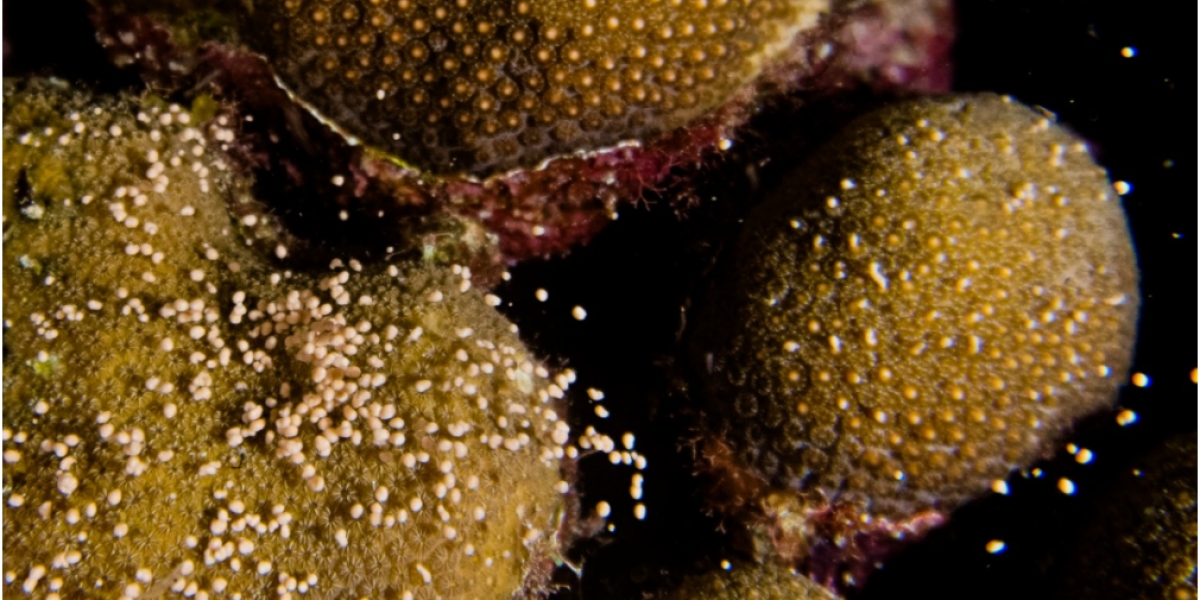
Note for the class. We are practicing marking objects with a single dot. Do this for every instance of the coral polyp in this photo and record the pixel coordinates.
(926, 305)
(182, 415)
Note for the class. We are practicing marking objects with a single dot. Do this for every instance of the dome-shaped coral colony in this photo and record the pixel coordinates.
(925, 306)
(536, 118)
(495, 84)
(180, 415)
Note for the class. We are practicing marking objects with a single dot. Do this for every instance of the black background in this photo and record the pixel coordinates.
(636, 278)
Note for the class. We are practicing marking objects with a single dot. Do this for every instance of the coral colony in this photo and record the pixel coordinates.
(538, 120)
(935, 333)
(252, 345)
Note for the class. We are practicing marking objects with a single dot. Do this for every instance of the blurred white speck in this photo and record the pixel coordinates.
(1126, 418)
(1066, 486)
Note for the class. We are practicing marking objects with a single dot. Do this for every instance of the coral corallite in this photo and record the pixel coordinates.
(178, 415)
(924, 307)
(477, 87)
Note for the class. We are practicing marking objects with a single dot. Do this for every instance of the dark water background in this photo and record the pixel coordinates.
(636, 278)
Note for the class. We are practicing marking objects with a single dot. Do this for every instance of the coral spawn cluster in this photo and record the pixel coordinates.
(182, 415)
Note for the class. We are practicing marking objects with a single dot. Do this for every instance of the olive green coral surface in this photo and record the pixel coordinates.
(925, 306)
(750, 582)
(1142, 541)
(180, 415)
(486, 85)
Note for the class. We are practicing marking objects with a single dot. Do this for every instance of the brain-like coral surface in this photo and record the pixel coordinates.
(485, 85)
(1142, 539)
(922, 308)
(179, 415)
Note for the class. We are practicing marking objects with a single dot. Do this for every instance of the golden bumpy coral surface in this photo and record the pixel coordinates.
(750, 582)
(924, 307)
(1142, 541)
(477, 86)
(179, 416)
